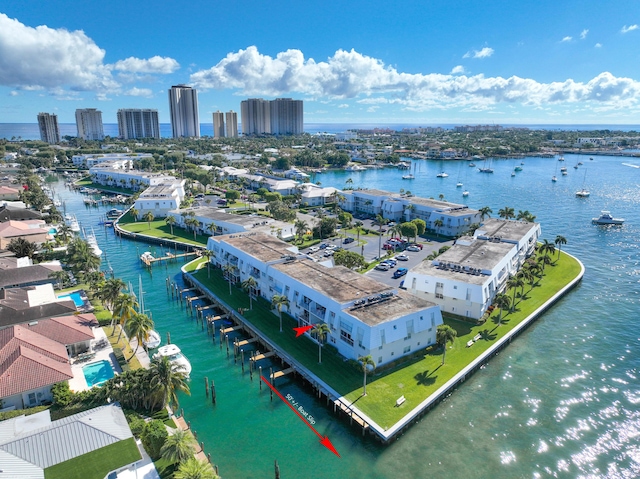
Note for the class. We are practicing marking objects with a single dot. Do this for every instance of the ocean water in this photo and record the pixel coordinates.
(561, 401)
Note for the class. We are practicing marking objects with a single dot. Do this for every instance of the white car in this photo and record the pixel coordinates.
(413, 249)
(382, 267)
(402, 257)
(331, 246)
(313, 249)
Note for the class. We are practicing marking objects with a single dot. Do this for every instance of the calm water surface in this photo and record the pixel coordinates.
(561, 401)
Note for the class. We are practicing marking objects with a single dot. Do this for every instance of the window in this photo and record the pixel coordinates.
(455, 287)
(406, 350)
(439, 285)
(346, 337)
(439, 296)
(379, 359)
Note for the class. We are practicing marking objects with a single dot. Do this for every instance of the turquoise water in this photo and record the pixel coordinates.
(98, 372)
(53, 231)
(561, 401)
(75, 296)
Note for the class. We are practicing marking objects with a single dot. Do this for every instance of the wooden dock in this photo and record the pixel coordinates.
(170, 256)
(353, 417)
(279, 374)
(231, 330)
(244, 342)
(262, 356)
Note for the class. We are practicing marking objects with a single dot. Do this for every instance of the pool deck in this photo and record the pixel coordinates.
(78, 382)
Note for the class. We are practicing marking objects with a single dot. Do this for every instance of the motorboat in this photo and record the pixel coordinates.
(459, 185)
(72, 221)
(485, 170)
(93, 243)
(583, 193)
(513, 173)
(606, 219)
(114, 213)
(465, 193)
(554, 178)
(518, 168)
(561, 158)
(355, 168)
(442, 175)
(408, 177)
(564, 173)
(146, 256)
(153, 341)
(175, 356)
(563, 169)
(472, 164)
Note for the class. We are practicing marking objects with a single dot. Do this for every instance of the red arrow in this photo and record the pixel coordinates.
(323, 440)
(301, 330)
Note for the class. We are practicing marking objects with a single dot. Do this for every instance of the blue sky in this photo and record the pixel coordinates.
(424, 62)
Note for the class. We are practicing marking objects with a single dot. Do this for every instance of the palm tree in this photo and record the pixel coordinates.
(506, 213)
(525, 216)
(81, 257)
(381, 221)
(64, 232)
(514, 282)
(279, 301)
(546, 248)
(193, 468)
(445, 334)
(358, 226)
(139, 326)
(170, 220)
(301, 227)
(503, 302)
(124, 307)
(61, 277)
(337, 198)
(485, 212)
(438, 224)
(212, 228)
(366, 361)
(166, 379)
(208, 254)
(110, 291)
(194, 223)
(21, 247)
(559, 241)
(134, 212)
(178, 447)
(148, 217)
(249, 285)
(229, 270)
(320, 330)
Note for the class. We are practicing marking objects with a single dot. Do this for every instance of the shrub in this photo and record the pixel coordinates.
(153, 436)
(62, 395)
(136, 424)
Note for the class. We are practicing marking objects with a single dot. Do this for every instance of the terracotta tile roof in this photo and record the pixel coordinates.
(66, 329)
(11, 228)
(15, 336)
(25, 369)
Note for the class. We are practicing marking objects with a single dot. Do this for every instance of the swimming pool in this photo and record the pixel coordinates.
(76, 297)
(53, 231)
(98, 372)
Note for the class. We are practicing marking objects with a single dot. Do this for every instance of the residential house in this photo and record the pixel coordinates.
(35, 231)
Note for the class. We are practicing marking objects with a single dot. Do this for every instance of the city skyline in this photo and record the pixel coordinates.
(512, 64)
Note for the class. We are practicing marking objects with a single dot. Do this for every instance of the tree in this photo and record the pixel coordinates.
(546, 248)
(124, 307)
(81, 258)
(139, 326)
(365, 362)
(445, 334)
(208, 254)
(485, 212)
(358, 226)
(62, 277)
(281, 211)
(349, 259)
(232, 195)
(22, 248)
(320, 330)
(421, 226)
(153, 437)
(438, 224)
(170, 220)
(64, 232)
(134, 212)
(178, 447)
(514, 282)
(337, 198)
(409, 229)
(212, 228)
(503, 302)
(506, 213)
(249, 285)
(166, 379)
(148, 217)
(326, 227)
(525, 216)
(301, 227)
(279, 301)
(345, 219)
(380, 221)
(194, 224)
(193, 468)
(559, 241)
(229, 271)
(110, 291)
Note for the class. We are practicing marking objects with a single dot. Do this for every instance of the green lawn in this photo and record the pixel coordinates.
(417, 378)
(160, 229)
(96, 464)
(111, 189)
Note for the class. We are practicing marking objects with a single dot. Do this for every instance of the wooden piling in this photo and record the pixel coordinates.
(168, 337)
(242, 359)
(260, 372)
(213, 392)
(206, 386)
(226, 337)
(272, 382)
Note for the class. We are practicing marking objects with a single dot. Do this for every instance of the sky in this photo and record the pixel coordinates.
(424, 62)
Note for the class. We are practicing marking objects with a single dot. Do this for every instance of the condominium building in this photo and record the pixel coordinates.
(286, 116)
(136, 123)
(183, 105)
(365, 317)
(218, 124)
(231, 118)
(256, 117)
(89, 124)
(48, 125)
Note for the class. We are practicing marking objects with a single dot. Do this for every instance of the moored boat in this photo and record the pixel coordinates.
(606, 219)
(442, 175)
(408, 177)
(153, 341)
(175, 357)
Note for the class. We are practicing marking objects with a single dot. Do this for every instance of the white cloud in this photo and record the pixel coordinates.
(598, 45)
(350, 74)
(343, 105)
(143, 92)
(627, 29)
(155, 64)
(14, 93)
(584, 33)
(457, 69)
(372, 109)
(48, 57)
(486, 52)
(567, 39)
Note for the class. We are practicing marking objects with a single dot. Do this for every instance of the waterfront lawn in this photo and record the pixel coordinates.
(123, 344)
(97, 463)
(160, 229)
(415, 379)
(109, 189)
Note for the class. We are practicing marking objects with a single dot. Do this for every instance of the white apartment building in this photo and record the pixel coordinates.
(364, 316)
(48, 126)
(87, 161)
(227, 223)
(465, 279)
(183, 106)
(218, 124)
(314, 195)
(137, 123)
(160, 199)
(121, 173)
(231, 119)
(286, 116)
(89, 124)
(256, 116)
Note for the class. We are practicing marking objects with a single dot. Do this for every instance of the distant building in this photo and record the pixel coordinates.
(231, 118)
(218, 124)
(286, 116)
(136, 123)
(87, 161)
(256, 116)
(89, 124)
(35, 231)
(49, 131)
(183, 105)
(160, 199)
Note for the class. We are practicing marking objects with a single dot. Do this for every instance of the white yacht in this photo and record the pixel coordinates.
(606, 219)
(408, 177)
(442, 175)
(465, 193)
(146, 256)
(175, 357)
(93, 243)
(458, 185)
(72, 221)
(354, 168)
(153, 341)
(583, 193)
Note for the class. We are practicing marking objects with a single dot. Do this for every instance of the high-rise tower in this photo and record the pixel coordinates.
(218, 124)
(134, 123)
(89, 124)
(183, 104)
(286, 116)
(231, 118)
(49, 131)
(256, 118)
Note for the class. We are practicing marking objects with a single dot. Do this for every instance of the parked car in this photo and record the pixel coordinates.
(331, 246)
(348, 240)
(402, 257)
(391, 262)
(328, 253)
(400, 272)
(382, 267)
(417, 245)
(313, 249)
(323, 245)
(413, 248)
(388, 246)
(222, 202)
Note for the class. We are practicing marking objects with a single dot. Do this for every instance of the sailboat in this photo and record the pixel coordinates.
(154, 339)
(484, 169)
(459, 183)
(583, 192)
(93, 243)
(554, 178)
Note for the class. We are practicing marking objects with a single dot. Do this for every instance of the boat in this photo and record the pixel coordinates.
(72, 221)
(606, 219)
(522, 162)
(583, 193)
(146, 256)
(93, 243)
(590, 159)
(355, 168)
(472, 164)
(442, 175)
(561, 158)
(114, 213)
(465, 193)
(458, 185)
(554, 178)
(408, 177)
(175, 356)
(57, 203)
(564, 173)
(563, 169)
(485, 170)
(513, 173)
(518, 168)
(580, 163)
(153, 341)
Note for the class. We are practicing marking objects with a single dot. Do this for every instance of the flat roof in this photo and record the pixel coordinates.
(397, 306)
(375, 192)
(261, 246)
(505, 229)
(220, 215)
